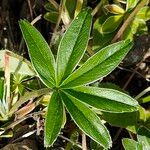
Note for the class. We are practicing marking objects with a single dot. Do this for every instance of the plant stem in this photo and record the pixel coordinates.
(30, 9)
(129, 20)
(59, 17)
(36, 19)
(12, 125)
(98, 7)
(22, 40)
(73, 143)
(58, 20)
(84, 146)
(129, 80)
(142, 93)
(117, 135)
(7, 82)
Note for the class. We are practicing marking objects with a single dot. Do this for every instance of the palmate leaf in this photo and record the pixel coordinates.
(54, 119)
(108, 100)
(87, 120)
(62, 78)
(40, 53)
(99, 65)
(73, 45)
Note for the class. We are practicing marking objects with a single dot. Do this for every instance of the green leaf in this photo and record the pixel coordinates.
(51, 17)
(99, 65)
(111, 23)
(131, 4)
(110, 85)
(142, 28)
(144, 137)
(123, 120)
(74, 137)
(130, 120)
(100, 40)
(87, 120)
(144, 13)
(134, 26)
(54, 119)
(130, 144)
(131, 30)
(70, 6)
(73, 45)
(51, 6)
(79, 5)
(40, 53)
(95, 146)
(104, 99)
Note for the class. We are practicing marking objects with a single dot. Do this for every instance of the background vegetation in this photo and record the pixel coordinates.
(24, 96)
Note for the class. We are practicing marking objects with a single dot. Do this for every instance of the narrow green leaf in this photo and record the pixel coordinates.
(123, 120)
(87, 120)
(105, 99)
(51, 17)
(40, 53)
(95, 146)
(99, 65)
(130, 144)
(73, 45)
(51, 6)
(144, 137)
(101, 40)
(70, 6)
(79, 5)
(54, 119)
(107, 26)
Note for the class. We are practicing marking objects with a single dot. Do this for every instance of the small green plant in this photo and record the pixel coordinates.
(128, 18)
(20, 68)
(70, 83)
(142, 143)
(17, 80)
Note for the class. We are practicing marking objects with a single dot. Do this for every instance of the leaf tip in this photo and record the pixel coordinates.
(47, 142)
